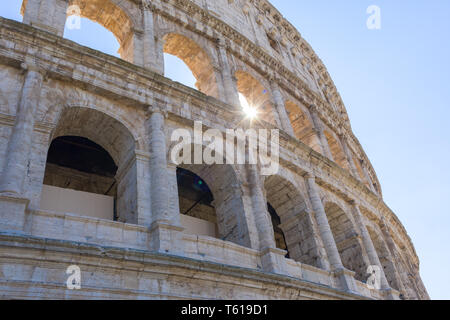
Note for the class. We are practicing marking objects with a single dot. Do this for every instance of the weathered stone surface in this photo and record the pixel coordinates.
(326, 193)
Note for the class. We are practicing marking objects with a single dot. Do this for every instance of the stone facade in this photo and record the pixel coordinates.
(326, 192)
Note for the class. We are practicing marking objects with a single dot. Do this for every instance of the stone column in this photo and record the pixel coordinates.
(281, 109)
(323, 225)
(272, 258)
(230, 88)
(12, 200)
(48, 15)
(318, 127)
(174, 202)
(349, 156)
(262, 217)
(144, 201)
(368, 245)
(391, 245)
(346, 277)
(158, 166)
(165, 229)
(20, 142)
(150, 55)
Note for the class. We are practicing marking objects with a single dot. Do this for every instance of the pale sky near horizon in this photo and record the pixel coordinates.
(396, 87)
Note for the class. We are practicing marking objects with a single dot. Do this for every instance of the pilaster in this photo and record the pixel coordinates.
(318, 126)
(19, 145)
(230, 87)
(346, 277)
(165, 230)
(281, 108)
(48, 15)
(349, 156)
(272, 258)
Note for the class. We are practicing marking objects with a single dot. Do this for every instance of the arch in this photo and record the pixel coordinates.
(99, 127)
(385, 258)
(296, 223)
(280, 238)
(79, 164)
(196, 203)
(116, 139)
(127, 124)
(302, 125)
(257, 96)
(224, 183)
(176, 70)
(336, 150)
(196, 58)
(98, 38)
(114, 17)
(347, 241)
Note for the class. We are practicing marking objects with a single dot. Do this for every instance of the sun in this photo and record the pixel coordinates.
(250, 112)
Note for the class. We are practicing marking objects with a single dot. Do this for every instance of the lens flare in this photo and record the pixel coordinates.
(249, 111)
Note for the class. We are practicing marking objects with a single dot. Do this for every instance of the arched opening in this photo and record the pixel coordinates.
(79, 164)
(98, 38)
(109, 16)
(347, 241)
(303, 128)
(295, 225)
(219, 196)
(280, 239)
(176, 70)
(198, 215)
(256, 96)
(91, 168)
(196, 59)
(384, 256)
(336, 150)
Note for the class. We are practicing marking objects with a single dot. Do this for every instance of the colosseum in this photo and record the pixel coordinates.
(87, 180)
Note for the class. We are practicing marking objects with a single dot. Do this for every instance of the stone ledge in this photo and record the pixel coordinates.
(58, 251)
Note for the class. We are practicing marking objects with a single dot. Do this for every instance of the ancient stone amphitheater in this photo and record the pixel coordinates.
(86, 177)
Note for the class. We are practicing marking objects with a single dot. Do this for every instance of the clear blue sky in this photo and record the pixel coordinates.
(396, 87)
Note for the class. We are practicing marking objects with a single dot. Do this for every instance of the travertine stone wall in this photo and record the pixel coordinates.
(326, 193)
